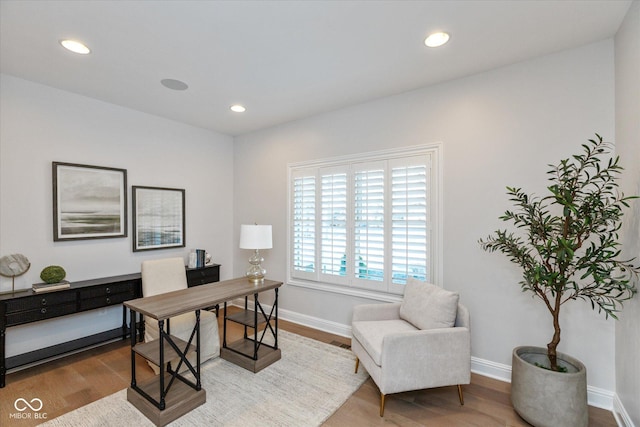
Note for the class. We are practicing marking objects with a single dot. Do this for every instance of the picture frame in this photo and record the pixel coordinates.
(89, 202)
(158, 216)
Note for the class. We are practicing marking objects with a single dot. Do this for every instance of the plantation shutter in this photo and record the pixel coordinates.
(362, 226)
(333, 222)
(369, 221)
(410, 220)
(304, 225)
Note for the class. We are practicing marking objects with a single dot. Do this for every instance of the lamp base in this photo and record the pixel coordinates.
(256, 280)
(255, 272)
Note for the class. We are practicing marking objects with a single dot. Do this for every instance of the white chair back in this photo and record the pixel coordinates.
(163, 275)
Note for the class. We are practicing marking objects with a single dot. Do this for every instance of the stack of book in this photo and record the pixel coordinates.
(48, 287)
(197, 258)
(200, 256)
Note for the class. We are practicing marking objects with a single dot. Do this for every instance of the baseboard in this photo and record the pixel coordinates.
(600, 398)
(305, 320)
(597, 397)
(487, 368)
(620, 413)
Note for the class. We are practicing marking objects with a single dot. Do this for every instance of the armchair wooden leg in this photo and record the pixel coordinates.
(357, 364)
(460, 394)
(381, 404)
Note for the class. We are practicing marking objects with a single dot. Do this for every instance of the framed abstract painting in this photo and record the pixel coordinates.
(158, 218)
(89, 202)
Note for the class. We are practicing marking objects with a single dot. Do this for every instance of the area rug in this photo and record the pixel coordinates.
(306, 386)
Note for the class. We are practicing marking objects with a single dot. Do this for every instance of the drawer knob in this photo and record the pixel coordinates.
(108, 301)
(43, 310)
(44, 301)
(108, 290)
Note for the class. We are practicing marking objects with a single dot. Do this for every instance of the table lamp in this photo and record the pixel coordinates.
(255, 237)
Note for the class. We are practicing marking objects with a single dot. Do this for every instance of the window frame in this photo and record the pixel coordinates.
(353, 287)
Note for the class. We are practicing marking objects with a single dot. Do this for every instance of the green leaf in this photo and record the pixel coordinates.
(567, 246)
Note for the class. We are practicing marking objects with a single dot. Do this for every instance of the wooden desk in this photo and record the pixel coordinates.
(152, 398)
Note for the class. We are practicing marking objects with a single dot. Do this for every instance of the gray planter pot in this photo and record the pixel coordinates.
(546, 398)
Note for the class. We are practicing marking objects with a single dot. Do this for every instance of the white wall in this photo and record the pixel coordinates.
(498, 128)
(627, 81)
(39, 125)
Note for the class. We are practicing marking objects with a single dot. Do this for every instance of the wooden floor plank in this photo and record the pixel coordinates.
(74, 381)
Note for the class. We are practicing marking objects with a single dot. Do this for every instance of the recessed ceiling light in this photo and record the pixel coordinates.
(436, 39)
(174, 84)
(237, 108)
(75, 46)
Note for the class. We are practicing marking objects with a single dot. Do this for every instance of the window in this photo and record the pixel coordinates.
(366, 223)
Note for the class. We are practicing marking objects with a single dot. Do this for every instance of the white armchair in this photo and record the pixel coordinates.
(166, 275)
(422, 342)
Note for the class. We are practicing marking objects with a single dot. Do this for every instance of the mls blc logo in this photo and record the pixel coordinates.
(21, 404)
(34, 406)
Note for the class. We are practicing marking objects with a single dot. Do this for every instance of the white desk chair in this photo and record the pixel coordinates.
(166, 275)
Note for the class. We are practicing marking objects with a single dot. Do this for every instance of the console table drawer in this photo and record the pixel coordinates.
(106, 290)
(105, 301)
(201, 276)
(40, 301)
(40, 313)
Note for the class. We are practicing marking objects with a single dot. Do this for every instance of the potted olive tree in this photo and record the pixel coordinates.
(567, 247)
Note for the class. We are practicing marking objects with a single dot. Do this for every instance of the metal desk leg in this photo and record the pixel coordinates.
(161, 404)
(132, 314)
(224, 327)
(275, 335)
(198, 382)
(255, 326)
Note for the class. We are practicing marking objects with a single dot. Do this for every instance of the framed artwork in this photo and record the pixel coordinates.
(158, 218)
(89, 202)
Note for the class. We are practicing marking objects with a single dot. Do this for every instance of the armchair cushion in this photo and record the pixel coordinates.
(386, 311)
(371, 333)
(428, 306)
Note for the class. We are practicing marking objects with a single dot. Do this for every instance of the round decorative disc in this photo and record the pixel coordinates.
(14, 265)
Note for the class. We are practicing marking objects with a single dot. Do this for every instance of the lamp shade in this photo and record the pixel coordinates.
(255, 236)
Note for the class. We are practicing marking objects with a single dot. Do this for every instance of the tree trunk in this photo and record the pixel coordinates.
(553, 345)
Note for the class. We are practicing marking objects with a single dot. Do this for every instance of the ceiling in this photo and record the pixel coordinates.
(283, 60)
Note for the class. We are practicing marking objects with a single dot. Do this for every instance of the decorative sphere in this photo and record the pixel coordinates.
(53, 274)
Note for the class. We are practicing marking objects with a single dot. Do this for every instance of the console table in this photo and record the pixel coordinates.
(27, 306)
(170, 395)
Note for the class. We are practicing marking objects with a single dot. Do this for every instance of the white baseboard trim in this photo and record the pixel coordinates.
(600, 398)
(304, 320)
(487, 368)
(316, 323)
(597, 397)
(620, 413)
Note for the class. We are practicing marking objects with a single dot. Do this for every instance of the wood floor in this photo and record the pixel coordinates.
(71, 382)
